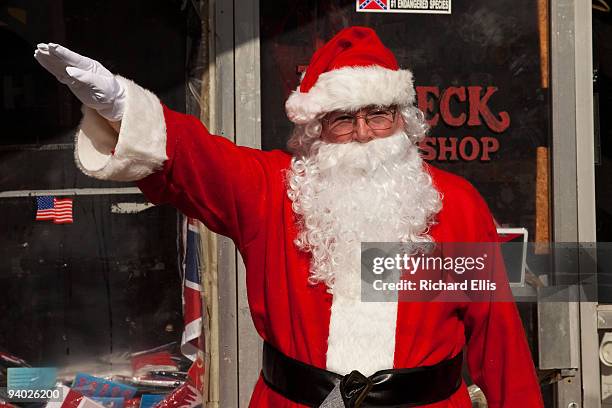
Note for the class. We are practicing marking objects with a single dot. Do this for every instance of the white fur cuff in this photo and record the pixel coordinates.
(141, 147)
(351, 88)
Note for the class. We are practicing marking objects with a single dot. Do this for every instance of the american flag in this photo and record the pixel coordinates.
(58, 210)
(192, 290)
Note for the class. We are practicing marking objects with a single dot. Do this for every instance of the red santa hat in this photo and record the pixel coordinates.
(354, 69)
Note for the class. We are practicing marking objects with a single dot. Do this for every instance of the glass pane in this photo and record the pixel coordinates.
(109, 283)
(602, 87)
(485, 56)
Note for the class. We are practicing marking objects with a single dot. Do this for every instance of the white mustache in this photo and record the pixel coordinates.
(361, 156)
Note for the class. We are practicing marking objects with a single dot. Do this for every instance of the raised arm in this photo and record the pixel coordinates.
(128, 135)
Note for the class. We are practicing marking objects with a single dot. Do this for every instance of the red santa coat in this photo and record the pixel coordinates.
(241, 193)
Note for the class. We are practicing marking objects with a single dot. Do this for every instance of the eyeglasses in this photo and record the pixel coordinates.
(343, 123)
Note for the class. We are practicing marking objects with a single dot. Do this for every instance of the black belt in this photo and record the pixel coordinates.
(394, 388)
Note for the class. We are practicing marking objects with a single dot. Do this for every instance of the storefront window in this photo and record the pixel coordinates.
(108, 283)
(481, 75)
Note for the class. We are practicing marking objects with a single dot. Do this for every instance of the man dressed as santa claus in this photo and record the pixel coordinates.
(353, 174)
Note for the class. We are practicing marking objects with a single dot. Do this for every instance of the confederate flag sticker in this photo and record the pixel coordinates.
(404, 6)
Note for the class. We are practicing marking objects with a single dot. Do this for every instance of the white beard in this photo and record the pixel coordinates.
(350, 193)
(345, 194)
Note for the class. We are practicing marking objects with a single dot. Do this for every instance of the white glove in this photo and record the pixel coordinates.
(93, 84)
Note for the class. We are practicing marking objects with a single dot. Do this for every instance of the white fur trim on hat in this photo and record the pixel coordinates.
(351, 88)
(141, 147)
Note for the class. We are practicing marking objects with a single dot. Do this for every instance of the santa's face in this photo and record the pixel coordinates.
(373, 122)
(348, 193)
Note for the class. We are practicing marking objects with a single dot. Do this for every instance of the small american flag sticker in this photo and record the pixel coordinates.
(58, 210)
